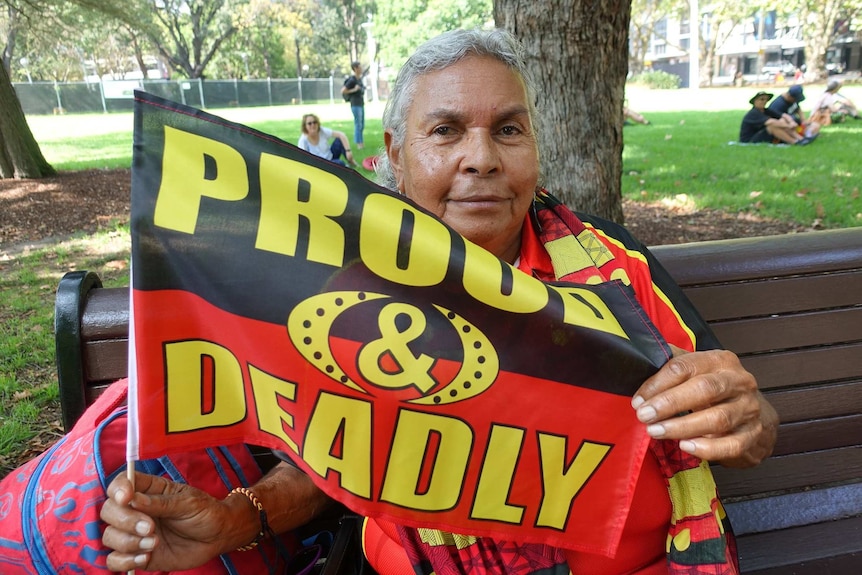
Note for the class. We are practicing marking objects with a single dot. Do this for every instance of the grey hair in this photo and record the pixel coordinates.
(438, 53)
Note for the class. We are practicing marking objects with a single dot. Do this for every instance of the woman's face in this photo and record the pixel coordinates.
(310, 124)
(469, 155)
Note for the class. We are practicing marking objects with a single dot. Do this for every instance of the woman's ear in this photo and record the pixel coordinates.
(393, 152)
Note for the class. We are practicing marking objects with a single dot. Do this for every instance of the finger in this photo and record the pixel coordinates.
(727, 448)
(124, 518)
(123, 562)
(693, 381)
(125, 508)
(695, 393)
(716, 421)
(654, 385)
(120, 489)
(671, 374)
(127, 543)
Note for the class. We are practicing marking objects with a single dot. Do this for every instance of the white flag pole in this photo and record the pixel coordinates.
(132, 417)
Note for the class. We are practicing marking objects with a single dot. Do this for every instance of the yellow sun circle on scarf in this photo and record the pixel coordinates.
(682, 540)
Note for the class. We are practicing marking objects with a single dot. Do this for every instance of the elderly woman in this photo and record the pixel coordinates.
(460, 141)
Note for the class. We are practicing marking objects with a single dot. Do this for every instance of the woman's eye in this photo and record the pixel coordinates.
(443, 130)
(510, 131)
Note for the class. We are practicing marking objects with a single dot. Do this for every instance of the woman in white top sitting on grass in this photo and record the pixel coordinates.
(316, 139)
(833, 107)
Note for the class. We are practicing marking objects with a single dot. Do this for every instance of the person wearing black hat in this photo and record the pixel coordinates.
(788, 103)
(761, 125)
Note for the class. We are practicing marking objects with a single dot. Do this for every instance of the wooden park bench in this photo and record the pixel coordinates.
(791, 308)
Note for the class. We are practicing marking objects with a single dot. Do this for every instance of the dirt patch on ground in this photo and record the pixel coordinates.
(32, 211)
(35, 210)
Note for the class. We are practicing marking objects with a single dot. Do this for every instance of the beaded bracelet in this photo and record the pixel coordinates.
(264, 527)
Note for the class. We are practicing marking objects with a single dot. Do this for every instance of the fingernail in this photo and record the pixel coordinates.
(140, 560)
(142, 528)
(147, 543)
(688, 446)
(646, 413)
(119, 495)
(656, 430)
(637, 401)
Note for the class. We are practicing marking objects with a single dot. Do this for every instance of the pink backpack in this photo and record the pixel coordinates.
(49, 507)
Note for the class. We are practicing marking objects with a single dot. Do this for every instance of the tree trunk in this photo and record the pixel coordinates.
(577, 52)
(20, 156)
(821, 16)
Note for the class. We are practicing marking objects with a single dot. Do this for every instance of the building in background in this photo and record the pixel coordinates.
(756, 50)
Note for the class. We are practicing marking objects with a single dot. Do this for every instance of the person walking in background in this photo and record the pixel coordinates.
(315, 139)
(762, 125)
(354, 91)
(832, 107)
(787, 105)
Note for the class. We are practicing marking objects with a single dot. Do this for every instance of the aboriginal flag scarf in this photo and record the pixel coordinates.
(699, 540)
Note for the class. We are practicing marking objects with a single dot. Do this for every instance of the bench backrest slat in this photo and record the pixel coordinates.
(107, 315)
(777, 296)
(807, 366)
(794, 472)
(106, 360)
(809, 329)
(762, 257)
(817, 402)
(816, 434)
(824, 548)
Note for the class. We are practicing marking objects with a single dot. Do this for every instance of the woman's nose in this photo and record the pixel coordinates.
(481, 155)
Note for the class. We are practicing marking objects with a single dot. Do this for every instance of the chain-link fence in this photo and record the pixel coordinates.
(117, 96)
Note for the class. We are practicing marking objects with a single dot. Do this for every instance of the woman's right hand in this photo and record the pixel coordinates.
(160, 525)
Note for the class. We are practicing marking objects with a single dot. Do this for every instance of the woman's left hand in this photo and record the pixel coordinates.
(711, 404)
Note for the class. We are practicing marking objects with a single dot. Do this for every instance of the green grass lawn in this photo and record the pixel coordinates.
(683, 156)
(82, 141)
(694, 155)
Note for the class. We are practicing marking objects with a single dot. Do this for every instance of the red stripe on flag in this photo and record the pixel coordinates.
(503, 463)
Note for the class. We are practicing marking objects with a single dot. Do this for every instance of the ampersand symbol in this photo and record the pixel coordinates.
(409, 369)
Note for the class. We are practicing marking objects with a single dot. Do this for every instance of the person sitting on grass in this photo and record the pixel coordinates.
(832, 107)
(761, 125)
(315, 139)
(787, 104)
